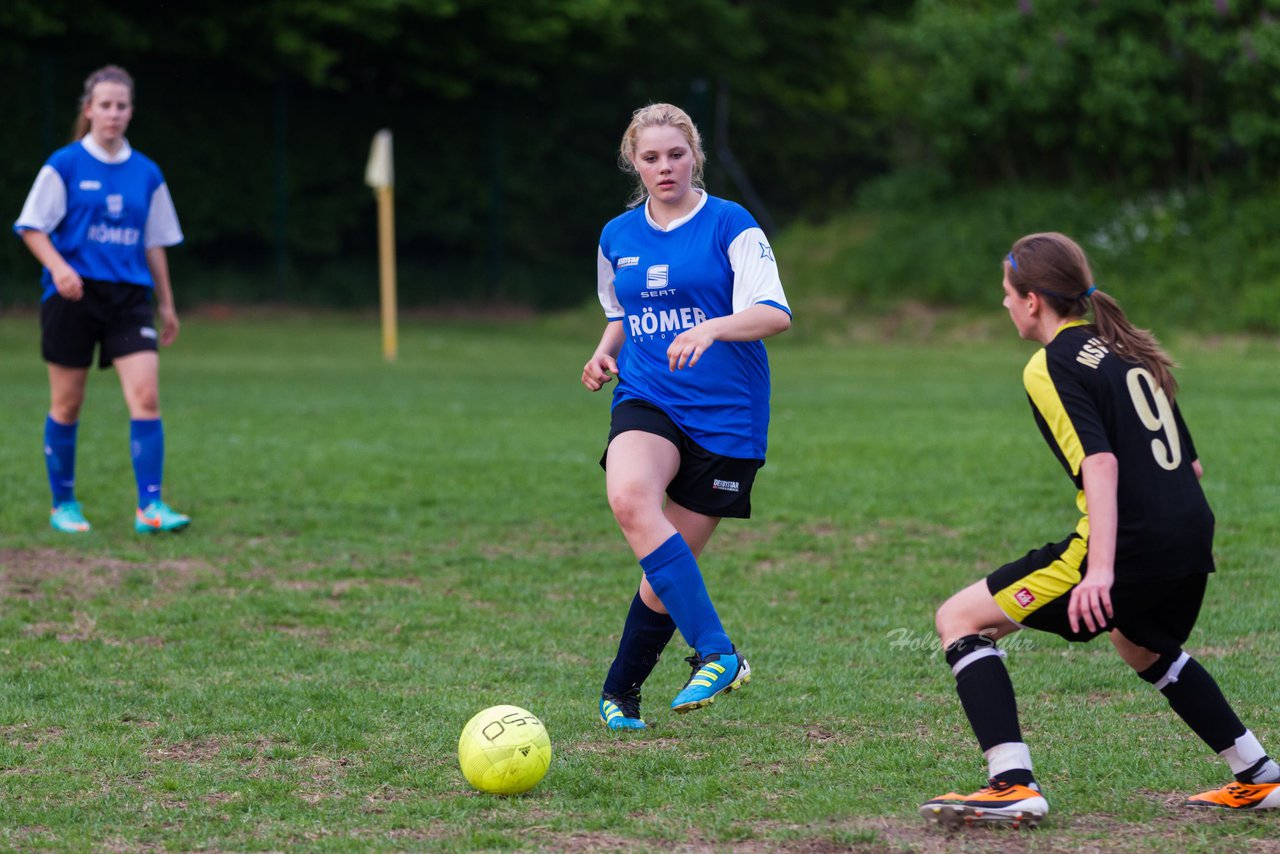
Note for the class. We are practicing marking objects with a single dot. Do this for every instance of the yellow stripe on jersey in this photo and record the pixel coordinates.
(1044, 395)
(1026, 595)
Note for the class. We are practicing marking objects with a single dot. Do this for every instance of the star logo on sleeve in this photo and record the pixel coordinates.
(766, 251)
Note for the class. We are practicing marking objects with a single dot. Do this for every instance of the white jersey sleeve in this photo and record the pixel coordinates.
(755, 273)
(46, 204)
(604, 287)
(162, 221)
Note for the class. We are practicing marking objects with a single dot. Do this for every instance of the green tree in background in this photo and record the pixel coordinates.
(507, 115)
(1139, 94)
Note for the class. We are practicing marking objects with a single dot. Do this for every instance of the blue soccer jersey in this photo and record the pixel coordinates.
(659, 282)
(101, 212)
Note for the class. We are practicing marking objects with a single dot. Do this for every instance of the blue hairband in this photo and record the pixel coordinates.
(1092, 288)
(1065, 297)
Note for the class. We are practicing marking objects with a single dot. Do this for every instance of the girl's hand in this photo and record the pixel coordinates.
(600, 369)
(689, 346)
(168, 324)
(68, 282)
(1091, 602)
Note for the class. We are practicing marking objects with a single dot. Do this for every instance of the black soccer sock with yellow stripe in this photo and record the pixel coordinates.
(986, 693)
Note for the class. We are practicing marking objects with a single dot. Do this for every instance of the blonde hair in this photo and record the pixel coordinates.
(106, 74)
(1056, 268)
(658, 115)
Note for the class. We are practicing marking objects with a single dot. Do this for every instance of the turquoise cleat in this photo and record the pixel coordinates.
(621, 712)
(68, 518)
(718, 673)
(158, 516)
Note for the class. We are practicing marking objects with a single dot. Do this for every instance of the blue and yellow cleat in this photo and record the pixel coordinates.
(68, 518)
(158, 516)
(718, 673)
(621, 711)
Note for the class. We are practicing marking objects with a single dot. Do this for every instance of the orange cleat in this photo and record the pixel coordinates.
(1006, 804)
(1239, 796)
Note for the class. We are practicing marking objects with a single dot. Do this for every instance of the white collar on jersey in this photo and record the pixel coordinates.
(97, 152)
(676, 223)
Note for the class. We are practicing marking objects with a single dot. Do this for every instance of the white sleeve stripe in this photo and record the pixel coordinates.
(46, 204)
(162, 227)
(755, 278)
(604, 287)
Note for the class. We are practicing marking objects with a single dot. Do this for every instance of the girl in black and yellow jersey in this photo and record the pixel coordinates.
(1102, 394)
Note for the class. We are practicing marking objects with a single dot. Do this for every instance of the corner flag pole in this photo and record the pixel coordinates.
(379, 175)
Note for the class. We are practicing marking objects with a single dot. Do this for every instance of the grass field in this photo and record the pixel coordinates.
(379, 551)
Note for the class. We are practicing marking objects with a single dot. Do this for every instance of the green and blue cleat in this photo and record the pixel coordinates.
(621, 711)
(718, 673)
(158, 516)
(68, 518)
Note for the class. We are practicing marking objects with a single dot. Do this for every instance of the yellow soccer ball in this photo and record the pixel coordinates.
(504, 750)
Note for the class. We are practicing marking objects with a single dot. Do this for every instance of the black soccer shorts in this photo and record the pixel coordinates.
(706, 483)
(115, 317)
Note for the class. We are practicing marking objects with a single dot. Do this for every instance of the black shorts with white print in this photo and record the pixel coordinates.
(116, 317)
(706, 483)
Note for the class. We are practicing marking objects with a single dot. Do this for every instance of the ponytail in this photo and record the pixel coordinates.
(1057, 269)
(1133, 344)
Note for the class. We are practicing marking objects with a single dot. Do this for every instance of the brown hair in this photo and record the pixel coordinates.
(106, 74)
(658, 115)
(1056, 268)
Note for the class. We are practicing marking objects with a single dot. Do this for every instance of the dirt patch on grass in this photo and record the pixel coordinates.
(572, 843)
(311, 633)
(625, 742)
(338, 590)
(376, 802)
(83, 628)
(1084, 834)
(37, 574)
(201, 750)
(321, 777)
(318, 777)
(28, 737)
(902, 835)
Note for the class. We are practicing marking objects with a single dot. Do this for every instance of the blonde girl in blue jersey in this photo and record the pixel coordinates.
(1102, 394)
(98, 219)
(689, 287)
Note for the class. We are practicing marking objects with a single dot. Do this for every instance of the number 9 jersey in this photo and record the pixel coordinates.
(1087, 400)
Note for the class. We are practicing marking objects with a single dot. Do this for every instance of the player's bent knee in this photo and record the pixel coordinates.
(1138, 657)
(958, 607)
(953, 620)
(633, 509)
(1166, 669)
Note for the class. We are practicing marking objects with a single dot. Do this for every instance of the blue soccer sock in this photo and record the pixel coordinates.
(673, 574)
(146, 443)
(644, 636)
(60, 459)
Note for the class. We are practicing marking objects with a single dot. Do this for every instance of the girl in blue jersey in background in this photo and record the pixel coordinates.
(99, 217)
(689, 286)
